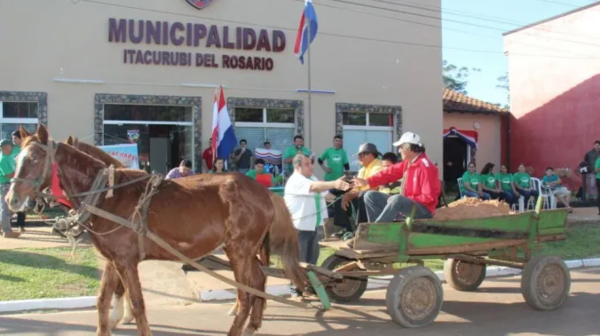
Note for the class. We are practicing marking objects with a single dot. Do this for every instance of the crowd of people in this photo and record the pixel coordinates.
(509, 187)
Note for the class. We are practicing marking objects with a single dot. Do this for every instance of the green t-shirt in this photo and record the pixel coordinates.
(290, 152)
(523, 180)
(252, 174)
(596, 166)
(16, 150)
(7, 167)
(505, 181)
(336, 159)
(488, 180)
(471, 179)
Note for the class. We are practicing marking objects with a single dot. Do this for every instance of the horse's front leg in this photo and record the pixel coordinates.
(131, 281)
(121, 308)
(110, 279)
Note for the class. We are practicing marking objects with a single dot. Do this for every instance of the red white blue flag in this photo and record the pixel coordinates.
(223, 135)
(308, 19)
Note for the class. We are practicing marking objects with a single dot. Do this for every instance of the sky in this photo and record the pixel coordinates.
(483, 22)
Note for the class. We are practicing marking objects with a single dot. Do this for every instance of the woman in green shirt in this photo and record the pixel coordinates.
(507, 185)
(471, 185)
(489, 182)
(522, 182)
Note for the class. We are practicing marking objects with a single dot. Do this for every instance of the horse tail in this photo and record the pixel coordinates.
(284, 242)
(265, 251)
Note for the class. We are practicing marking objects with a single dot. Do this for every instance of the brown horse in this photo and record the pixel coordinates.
(209, 210)
(283, 238)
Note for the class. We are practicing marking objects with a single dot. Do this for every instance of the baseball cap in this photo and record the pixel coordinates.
(5, 142)
(367, 148)
(408, 138)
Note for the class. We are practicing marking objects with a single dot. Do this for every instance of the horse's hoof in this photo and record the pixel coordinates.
(127, 319)
(249, 332)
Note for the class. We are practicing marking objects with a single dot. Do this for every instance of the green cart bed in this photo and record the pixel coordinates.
(414, 296)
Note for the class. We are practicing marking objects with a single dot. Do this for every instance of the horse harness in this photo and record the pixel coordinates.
(95, 196)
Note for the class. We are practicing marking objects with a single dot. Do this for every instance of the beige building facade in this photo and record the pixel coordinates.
(108, 71)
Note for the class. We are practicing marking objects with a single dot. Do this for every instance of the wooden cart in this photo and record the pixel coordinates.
(415, 295)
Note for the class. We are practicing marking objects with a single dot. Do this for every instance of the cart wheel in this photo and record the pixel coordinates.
(464, 276)
(414, 297)
(545, 283)
(346, 290)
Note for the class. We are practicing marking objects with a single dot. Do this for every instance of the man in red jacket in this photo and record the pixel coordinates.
(420, 184)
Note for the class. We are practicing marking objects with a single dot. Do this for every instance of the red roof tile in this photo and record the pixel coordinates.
(458, 102)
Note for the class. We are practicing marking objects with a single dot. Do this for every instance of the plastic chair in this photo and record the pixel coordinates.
(460, 187)
(545, 193)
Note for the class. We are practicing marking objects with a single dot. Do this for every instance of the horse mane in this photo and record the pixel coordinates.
(95, 152)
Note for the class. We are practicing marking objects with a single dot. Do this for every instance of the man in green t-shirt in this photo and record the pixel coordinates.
(336, 158)
(7, 172)
(290, 152)
(16, 138)
(259, 169)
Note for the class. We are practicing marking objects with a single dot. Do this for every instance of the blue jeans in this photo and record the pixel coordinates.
(309, 252)
(5, 213)
(485, 196)
(384, 208)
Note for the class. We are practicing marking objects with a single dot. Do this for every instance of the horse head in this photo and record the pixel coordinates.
(43, 161)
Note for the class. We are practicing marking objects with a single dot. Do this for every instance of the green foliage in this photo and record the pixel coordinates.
(456, 78)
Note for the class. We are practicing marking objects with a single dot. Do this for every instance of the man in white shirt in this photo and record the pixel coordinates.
(304, 197)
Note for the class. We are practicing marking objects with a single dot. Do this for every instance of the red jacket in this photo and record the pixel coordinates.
(422, 182)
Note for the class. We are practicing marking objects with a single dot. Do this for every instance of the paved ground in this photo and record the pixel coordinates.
(497, 309)
(35, 237)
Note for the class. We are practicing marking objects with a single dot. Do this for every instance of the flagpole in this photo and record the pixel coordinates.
(309, 128)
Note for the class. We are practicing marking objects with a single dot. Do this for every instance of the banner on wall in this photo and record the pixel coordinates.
(273, 159)
(126, 153)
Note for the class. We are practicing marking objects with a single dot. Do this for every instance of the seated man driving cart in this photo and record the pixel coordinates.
(421, 184)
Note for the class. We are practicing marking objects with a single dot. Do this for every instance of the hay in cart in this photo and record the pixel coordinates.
(471, 207)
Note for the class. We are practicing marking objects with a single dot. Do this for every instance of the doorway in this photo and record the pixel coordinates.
(456, 158)
(164, 134)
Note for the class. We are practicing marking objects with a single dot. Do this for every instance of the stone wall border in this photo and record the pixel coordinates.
(41, 98)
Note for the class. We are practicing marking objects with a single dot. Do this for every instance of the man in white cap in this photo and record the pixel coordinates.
(421, 184)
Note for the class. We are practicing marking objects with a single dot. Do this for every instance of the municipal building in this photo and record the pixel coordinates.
(108, 71)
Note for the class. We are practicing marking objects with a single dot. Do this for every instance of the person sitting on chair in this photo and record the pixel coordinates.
(421, 187)
(352, 201)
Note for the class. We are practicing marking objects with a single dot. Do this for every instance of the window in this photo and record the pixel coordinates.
(15, 114)
(258, 125)
(359, 127)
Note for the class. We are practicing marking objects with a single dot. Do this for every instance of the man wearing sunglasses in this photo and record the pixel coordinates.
(421, 184)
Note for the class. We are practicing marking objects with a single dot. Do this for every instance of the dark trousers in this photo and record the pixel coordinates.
(20, 220)
(496, 195)
(527, 194)
(309, 251)
(341, 217)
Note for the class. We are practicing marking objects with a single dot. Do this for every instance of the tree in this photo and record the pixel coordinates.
(455, 78)
(504, 85)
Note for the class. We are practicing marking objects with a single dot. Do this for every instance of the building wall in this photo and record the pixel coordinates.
(489, 133)
(46, 40)
(554, 98)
